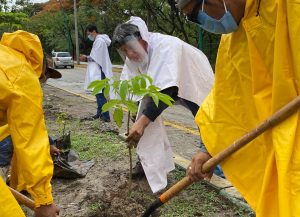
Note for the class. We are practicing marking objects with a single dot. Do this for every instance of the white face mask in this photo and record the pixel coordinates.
(90, 37)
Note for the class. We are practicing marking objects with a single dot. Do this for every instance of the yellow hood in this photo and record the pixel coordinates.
(28, 44)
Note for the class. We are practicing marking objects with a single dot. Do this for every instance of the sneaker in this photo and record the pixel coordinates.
(138, 171)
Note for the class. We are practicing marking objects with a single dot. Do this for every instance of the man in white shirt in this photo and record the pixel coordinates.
(99, 66)
(179, 70)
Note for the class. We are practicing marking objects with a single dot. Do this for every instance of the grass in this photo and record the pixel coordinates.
(94, 207)
(199, 199)
(89, 143)
(98, 145)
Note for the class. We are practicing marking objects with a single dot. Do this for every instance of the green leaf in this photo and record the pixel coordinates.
(123, 89)
(142, 82)
(153, 88)
(135, 85)
(132, 106)
(98, 85)
(93, 84)
(166, 99)
(155, 98)
(116, 85)
(97, 89)
(106, 90)
(141, 92)
(118, 116)
(148, 78)
(110, 104)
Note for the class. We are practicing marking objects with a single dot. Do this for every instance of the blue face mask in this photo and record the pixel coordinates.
(91, 37)
(224, 25)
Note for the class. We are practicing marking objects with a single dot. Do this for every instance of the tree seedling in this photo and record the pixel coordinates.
(61, 120)
(126, 92)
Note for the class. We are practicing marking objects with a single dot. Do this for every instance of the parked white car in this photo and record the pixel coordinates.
(62, 59)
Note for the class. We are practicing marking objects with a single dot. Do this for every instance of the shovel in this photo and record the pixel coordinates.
(276, 118)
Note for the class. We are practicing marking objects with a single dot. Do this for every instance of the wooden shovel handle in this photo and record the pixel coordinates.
(23, 199)
(175, 189)
(276, 118)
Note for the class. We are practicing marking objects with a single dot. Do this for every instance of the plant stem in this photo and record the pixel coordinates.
(130, 159)
(130, 172)
(64, 128)
(128, 120)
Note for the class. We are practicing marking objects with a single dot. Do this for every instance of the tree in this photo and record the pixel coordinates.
(53, 21)
(12, 21)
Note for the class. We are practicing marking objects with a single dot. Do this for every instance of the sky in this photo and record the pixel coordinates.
(10, 3)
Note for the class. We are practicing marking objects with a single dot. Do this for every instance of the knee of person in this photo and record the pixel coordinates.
(6, 151)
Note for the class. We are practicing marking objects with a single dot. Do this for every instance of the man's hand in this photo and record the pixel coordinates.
(54, 150)
(47, 211)
(137, 130)
(194, 170)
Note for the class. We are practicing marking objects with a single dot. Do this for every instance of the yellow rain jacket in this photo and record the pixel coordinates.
(21, 114)
(258, 72)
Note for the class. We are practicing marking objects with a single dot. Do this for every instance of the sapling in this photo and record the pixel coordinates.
(126, 92)
(63, 141)
(61, 120)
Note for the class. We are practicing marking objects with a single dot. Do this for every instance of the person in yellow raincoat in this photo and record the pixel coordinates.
(22, 67)
(257, 72)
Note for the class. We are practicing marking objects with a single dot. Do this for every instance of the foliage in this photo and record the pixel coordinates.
(12, 21)
(51, 30)
(139, 86)
(53, 22)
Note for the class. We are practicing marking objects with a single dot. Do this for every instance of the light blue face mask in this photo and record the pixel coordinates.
(224, 25)
(91, 37)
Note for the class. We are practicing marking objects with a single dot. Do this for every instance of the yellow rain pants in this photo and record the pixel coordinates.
(258, 72)
(21, 110)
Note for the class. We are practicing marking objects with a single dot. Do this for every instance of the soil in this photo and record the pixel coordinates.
(104, 190)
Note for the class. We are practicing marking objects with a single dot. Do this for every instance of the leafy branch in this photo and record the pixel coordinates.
(126, 91)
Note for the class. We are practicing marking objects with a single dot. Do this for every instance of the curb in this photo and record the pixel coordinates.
(114, 69)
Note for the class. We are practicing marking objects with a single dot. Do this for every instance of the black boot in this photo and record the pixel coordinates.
(138, 171)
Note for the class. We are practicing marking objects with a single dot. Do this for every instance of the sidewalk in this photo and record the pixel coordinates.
(116, 68)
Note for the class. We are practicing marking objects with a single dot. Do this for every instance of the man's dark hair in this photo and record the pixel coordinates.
(125, 32)
(91, 28)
